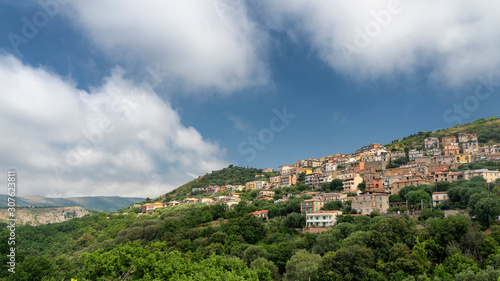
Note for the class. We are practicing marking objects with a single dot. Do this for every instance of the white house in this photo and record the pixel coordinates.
(438, 197)
(322, 218)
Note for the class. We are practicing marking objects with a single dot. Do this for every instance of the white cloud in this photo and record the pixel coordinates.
(119, 139)
(452, 41)
(204, 44)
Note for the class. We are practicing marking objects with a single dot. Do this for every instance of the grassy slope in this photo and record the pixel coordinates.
(231, 175)
(488, 131)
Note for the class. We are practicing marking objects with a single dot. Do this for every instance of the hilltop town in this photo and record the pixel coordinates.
(370, 178)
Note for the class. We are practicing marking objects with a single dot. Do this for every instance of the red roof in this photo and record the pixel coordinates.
(260, 212)
(319, 212)
(354, 215)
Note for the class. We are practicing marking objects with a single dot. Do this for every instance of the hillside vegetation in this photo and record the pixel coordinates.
(487, 131)
(232, 175)
(200, 242)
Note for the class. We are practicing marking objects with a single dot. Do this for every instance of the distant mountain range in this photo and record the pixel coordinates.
(97, 203)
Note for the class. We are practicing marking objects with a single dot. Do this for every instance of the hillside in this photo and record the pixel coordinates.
(97, 203)
(487, 131)
(211, 242)
(457, 238)
(231, 175)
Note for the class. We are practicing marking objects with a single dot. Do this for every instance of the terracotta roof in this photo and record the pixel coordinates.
(440, 192)
(322, 211)
(312, 200)
(260, 212)
(411, 180)
(372, 194)
(355, 215)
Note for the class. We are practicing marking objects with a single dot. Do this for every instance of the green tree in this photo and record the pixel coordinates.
(333, 205)
(442, 186)
(449, 229)
(416, 197)
(420, 255)
(302, 266)
(249, 227)
(362, 186)
(280, 253)
(487, 210)
(294, 220)
(458, 262)
(488, 274)
(254, 252)
(349, 263)
(33, 268)
(337, 185)
(301, 178)
(395, 198)
(405, 190)
(269, 265)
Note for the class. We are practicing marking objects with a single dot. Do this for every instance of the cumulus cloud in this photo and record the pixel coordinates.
(203, 44)
(118, 139)
(452, 41)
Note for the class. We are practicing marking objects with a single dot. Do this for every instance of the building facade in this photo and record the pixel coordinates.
(322, 218)
(365, 204)
(311, 205)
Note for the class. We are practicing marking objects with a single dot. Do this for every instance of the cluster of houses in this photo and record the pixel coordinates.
(230, 200)
(367, 165)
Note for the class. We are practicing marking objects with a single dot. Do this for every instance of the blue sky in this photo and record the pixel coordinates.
(134, 99)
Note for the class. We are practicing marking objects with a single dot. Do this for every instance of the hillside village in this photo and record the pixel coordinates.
(368, 177)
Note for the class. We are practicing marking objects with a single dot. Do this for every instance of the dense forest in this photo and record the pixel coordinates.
(200, 242)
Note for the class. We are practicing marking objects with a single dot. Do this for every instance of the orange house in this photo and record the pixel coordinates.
(358, 167)
(374, 183)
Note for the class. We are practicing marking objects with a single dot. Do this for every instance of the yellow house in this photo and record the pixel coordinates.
(311, 205)
(305, 170)
(463, 158)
